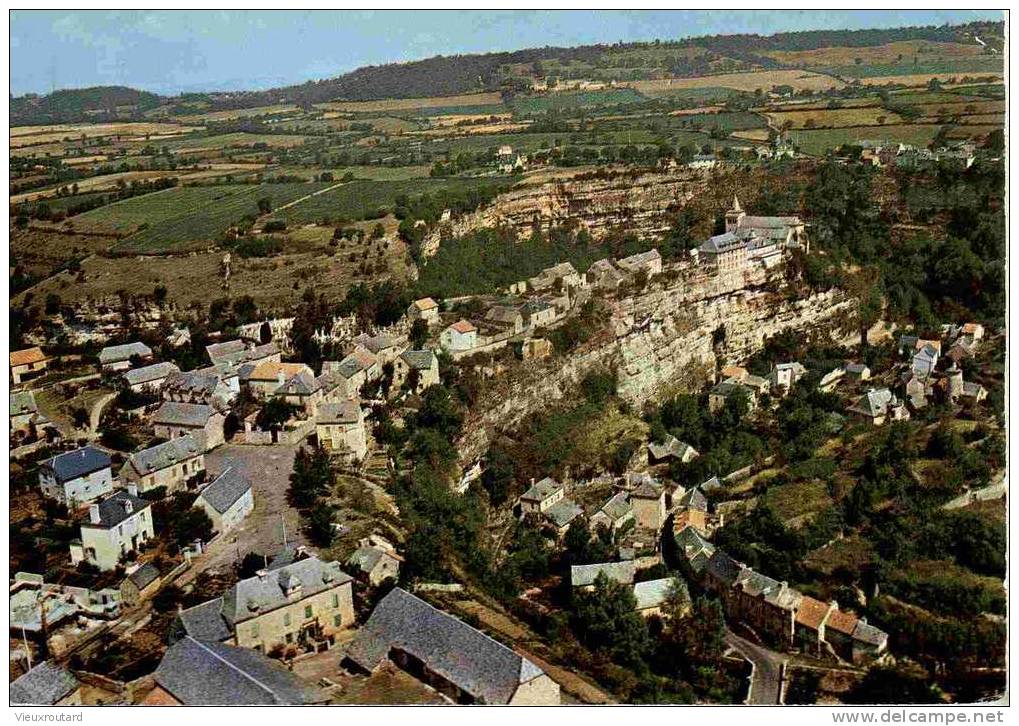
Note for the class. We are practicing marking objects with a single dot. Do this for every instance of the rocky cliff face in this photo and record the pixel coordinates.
(598, 204)
(667, 339)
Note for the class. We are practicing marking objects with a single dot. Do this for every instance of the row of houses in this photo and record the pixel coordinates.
(781, 614)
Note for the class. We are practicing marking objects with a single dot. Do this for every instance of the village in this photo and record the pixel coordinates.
(211, 435)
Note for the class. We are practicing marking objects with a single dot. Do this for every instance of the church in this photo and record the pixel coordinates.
(750, 240)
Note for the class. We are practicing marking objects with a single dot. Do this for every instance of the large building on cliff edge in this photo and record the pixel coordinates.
(749, 240)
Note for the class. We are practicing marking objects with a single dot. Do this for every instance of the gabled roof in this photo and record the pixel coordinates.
(163, 455)
(563, 512)
(421, 360)
(198, 673)
(270, 370)
(694, 499)
(874, 403)
(205, 621)
(866, 633)
(118, 353)
(723, 568)
(259, 594)
(425, 303)
(691, 542)
(201, 383)
(647, 489)
(27, 356)
(640, 259)
(44, 685)
(503, 314)
(226, 489)
(144, 575)
(542, 490)
(74, 464)
(584, 575)
(147, 374)
(721, 243)
(301, 384)
(365, 559)
(340, 412)
(842, 622)
(116, 508)
(654, 593)
(227, 350)
(617, 507)
(811, 612)
(375, 343)
(463, 326)
(176, 413)
(475, 663)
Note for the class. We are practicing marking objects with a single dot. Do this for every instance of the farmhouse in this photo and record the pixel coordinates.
(76, 477)
(424, 309)
(877, 406)
(424, 362)
(202, 386)
(542, 496)
(116, 358)
(172, 465)
(149, 377)
(140, 585)
(114, 527)
(304, 603)
(459, 336)
(339, 427)
(649, 262)
(615, 514)
(201, 673)
(266, 378)
(462, 663)
(227, 500)
(27, 363)
(583, 577)
(376, 561)
(205, 423)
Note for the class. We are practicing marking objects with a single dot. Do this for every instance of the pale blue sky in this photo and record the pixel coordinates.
(170, 52)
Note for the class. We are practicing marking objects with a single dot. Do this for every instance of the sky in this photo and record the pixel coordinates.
(170, 52)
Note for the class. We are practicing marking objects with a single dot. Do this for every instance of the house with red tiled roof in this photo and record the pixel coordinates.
(27, 363)
(461, 335)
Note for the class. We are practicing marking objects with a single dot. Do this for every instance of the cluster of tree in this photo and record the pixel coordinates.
(311, 483)
(74, 204)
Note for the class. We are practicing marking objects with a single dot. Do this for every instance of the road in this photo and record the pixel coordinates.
(993, 491)
(268, 468)
(767, 681)
(95, 416)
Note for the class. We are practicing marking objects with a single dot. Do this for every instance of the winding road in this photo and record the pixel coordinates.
(766, 686)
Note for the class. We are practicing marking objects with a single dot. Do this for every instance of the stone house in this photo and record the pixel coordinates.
(604, 276)
(119, 524)
(925, 360)
(266, 378)
(424, 309)
(652, 595)
(726, 252)
(649, 262)
(305, 603)
(23, 411)
(614, 515)
(692, 508)
(583, 577)
(227, 500)
(149, 377)
(339, 427)
(204, 422)
(238, 352)
(383, 347)
(194, 672)
(784, 376)
(877, 406)
(538, 313)
(27, 363)
(173, 465)
(858, 371)
(648, 501)
(458, 661)
(505, 317)
(721, 393)
(76, 477)
(425, 362)
(355, 370)
(564, 275)
(304, 391)
(671, 448)
(375, 561)
(460, 336)
(531, 348)
(542, 496)
(47, 684)
(116, 358)
(140, 585)
(201, 386)
(561, 515)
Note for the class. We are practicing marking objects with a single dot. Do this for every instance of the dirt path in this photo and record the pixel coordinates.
(306, 198)
(95, 415)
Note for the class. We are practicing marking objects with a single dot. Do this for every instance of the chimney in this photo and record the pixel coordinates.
(93, 514)
(128, 506)
(263, 575)
(132, 489)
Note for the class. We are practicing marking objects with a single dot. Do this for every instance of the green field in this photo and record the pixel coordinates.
(977, 64)
(371, 199)
(529, 105)
(238, 139)
(168, 220)
(818, 141)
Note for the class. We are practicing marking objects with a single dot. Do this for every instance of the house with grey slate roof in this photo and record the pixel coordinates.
(227, 500)
(583, 576)
(202, 421)
(339, 427)
(207, 386)
(76, 477)
(375, 562)
(140, 585)
(173, 465)
(457, 660)
(202, 673)
(115, 358)
(302, 603)
(48, 684)
(149, 377)
(118, 525)
(424, 362)
(652, 595)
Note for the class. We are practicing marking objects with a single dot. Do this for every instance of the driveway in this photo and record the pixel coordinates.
(767, 681)
(268, 468)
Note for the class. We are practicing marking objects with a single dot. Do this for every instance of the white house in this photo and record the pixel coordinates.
(227, 500)
(76, 477)
(459, 336)
(117, 525)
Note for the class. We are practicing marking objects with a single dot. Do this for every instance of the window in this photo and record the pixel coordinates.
(289, 637)
(286, 618)
(336, 600)
(337, 620)
(307, 611)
